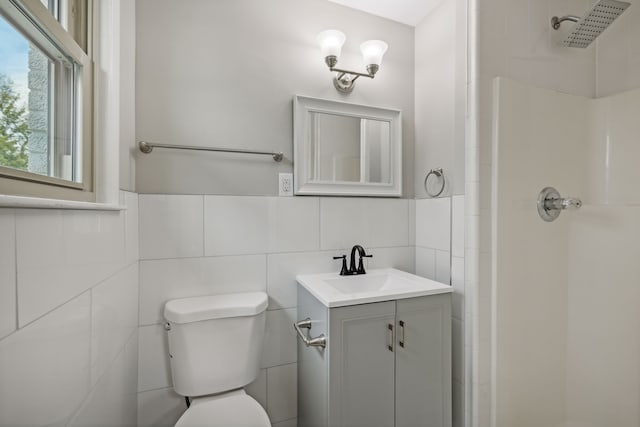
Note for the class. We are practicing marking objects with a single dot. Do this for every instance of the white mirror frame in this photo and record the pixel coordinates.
(302, 107)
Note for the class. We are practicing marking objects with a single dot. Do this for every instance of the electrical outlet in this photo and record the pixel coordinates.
(285, 184)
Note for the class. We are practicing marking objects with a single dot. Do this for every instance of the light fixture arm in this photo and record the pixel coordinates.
(351, 73)
(345, 79)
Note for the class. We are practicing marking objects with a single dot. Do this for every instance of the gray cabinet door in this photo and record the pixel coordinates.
(423, 364)
(361, 365)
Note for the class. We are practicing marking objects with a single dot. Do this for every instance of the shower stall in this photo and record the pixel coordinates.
(557, 312)
(566, 293)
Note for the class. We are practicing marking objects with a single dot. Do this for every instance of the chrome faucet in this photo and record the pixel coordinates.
(353, 270)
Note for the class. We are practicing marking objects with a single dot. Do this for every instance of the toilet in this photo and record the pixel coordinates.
(215, 345)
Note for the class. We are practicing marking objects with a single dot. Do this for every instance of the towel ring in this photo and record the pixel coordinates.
(437, 172)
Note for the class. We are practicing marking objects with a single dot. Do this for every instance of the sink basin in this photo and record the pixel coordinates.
(386, 284)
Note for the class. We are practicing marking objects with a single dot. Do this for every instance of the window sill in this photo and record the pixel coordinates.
(38, 203)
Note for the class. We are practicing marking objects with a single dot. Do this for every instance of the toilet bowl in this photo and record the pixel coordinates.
(232, 409)
(215, 344)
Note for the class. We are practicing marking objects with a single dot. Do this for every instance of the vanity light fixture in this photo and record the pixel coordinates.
(331, 42)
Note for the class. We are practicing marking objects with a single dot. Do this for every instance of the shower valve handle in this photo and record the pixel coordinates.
(562, 203)
(550, 204)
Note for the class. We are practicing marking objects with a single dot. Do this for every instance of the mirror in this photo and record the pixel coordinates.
(346, 149)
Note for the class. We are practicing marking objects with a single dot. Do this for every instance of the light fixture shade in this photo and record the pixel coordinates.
(373, 51)
(331, 42)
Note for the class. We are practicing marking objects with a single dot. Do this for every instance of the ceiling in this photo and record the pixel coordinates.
(409, 12)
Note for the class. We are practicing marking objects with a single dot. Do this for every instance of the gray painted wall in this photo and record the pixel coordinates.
(127, 113)
(224, 74)
(440, 93)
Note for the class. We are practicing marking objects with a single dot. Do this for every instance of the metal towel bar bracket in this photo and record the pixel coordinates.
(319, 341)
(147, 147)
(438, 173)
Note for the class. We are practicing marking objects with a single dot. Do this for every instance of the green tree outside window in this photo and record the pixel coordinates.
(14, 127)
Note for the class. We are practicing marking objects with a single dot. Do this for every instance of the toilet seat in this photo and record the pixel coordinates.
(233, 409)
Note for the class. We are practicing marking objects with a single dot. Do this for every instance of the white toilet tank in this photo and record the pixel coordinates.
(215, 342)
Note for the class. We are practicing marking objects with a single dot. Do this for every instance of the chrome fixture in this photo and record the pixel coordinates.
(147, 147)
(440, 175)
(592, 24)
(550, 204)
(319, 341)
(331, 42)
(353, 270)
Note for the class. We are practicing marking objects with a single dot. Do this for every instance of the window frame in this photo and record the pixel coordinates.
(41, 28)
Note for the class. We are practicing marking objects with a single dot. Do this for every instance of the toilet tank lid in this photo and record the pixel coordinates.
(195, 309)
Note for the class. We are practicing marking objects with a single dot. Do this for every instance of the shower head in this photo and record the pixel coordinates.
(592, 24)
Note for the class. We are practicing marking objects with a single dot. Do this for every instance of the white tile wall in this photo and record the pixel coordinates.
(282, 392)
(443, 267)
(45, 367)
(236, 225)
(402, 258)
(8, 315)
(440, 256)
(60, 254)
(160, 408)
(412, 222)
(457, 226)
(258, 388)
(369, 222)
(130, 200)
(457, 281)
(433, 223)
(254, 243)
(289, 423)
(282, 270)
(426, 262)
(170, 227)
(112, 401)
(72, 357)
(163, 280)
(280, 338)
(241, 225)
(154, 371)
(114, 305)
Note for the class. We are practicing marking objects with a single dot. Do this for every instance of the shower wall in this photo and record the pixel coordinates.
(603, 342)
(538, 144)
(566, 344)
(618, 58)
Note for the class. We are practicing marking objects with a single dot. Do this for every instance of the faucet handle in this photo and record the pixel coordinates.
(361, 264)
(344, 271)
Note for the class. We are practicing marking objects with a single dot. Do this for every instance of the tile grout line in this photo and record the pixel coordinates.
(204, 235)
(73, 297)
(307, 251)
(266, 392)
(15, 266)
(320, 222)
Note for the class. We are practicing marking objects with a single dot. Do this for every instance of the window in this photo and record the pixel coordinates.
(46, 89)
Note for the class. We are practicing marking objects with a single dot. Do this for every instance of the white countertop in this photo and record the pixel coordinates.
(386, 284)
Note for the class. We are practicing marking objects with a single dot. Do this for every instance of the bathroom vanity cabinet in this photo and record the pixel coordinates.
(385, 363)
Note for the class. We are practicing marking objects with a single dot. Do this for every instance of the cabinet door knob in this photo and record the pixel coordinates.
(391, 337)
(401, 340)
